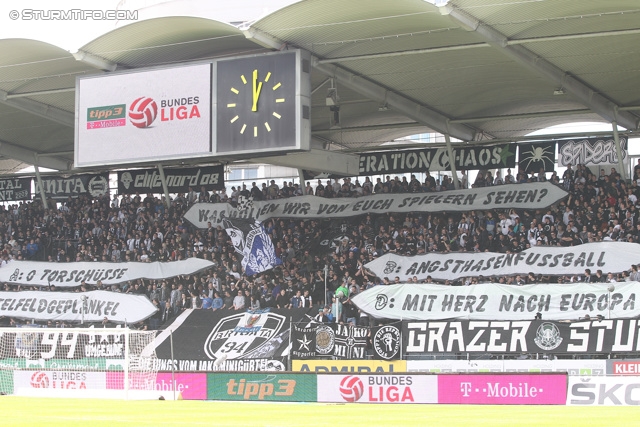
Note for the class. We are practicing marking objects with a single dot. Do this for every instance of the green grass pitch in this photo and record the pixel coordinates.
(18, 411)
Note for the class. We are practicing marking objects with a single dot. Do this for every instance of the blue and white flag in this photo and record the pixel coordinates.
(251, 240)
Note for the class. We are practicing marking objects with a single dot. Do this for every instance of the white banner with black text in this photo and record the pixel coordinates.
(34, 273)
(88, 307)
(500, 302)
(610, 257)
(535, 195)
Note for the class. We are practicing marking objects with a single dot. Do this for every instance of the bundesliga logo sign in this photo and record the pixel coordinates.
(143, 111)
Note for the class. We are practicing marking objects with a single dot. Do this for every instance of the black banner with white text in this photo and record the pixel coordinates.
(517, 337)
(178, 180)
(15, 189)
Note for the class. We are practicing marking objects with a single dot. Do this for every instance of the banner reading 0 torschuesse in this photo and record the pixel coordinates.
(526, 196)
(492, 301)
(72, 274)
(517, 337)
(178, 180)
(285, 387)
(611, 257)
(60, 187)
(14, 189)
(91, 306)
(206, 340)
(437, 159)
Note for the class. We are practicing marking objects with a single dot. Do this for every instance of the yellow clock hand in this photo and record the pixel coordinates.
(257, 87)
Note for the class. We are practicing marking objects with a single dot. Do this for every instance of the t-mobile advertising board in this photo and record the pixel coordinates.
(378, 388)
(543, 389)
(192, 386)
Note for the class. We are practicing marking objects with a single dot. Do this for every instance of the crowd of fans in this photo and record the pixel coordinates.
(316, 253)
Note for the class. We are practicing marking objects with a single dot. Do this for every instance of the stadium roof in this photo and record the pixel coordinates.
(477, 70)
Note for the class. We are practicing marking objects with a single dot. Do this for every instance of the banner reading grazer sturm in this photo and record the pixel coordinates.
(437, 159)
(610, 257)
(518, 196)
(500, 302)
(178, 180)
(59, 187)
(228, 340)
(591, 151)
(14, 189)
(517, 337)
(71, 274)
(325, 340)
(69, 307)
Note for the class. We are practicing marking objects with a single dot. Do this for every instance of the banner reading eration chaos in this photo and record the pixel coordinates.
(611, 257)
(517, 337)
(91, 306)
(500, 302)
(437, 159)
(73, 273)
(518, 196)
(178, 180)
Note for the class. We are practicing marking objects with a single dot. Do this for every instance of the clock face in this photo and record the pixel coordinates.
(256, 103)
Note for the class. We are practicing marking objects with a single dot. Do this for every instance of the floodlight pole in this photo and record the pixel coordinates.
(39, 180)
(616, 140)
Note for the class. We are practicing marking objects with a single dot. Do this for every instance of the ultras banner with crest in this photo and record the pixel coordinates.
(612, 257)
(61, 187)
(493, 301)
(518, 196)
(316, 340)
(206, 340)
(517, 337)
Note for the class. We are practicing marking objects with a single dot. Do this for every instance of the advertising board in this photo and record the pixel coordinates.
(360, 366)
(262, 387)
(542, 389)
(604, 391)
(378, 388)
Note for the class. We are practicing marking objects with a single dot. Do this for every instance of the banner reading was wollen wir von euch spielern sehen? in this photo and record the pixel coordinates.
(517, 196)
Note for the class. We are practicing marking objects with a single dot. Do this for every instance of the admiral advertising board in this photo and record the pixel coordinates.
(378, 388)
(357, 366)
(208, 341)
(541, 389)
(262, 387)
(144, 115)
(604, 391)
